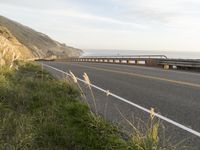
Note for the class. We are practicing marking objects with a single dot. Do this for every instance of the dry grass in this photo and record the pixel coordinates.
(8, 54)
(88, 83)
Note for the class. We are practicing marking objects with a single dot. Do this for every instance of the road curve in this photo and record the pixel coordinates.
(175, 94)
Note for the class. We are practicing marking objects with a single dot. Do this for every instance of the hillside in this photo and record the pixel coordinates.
(10, 46)
(35, 44)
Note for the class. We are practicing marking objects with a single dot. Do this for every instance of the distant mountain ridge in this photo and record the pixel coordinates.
(38, 44)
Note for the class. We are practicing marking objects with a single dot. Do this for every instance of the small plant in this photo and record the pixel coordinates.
(145, 136)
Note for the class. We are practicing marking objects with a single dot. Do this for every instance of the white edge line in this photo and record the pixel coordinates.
(135, 105)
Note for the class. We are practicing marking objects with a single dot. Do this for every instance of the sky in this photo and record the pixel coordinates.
(164, 25)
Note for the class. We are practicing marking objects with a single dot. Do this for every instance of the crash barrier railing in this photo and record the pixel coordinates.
(149, 60)
(181, 63)
(145, 60)
(128, 56)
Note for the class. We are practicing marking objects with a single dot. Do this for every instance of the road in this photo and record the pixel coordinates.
(174, 94)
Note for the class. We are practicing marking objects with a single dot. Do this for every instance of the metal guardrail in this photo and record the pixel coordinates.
(146, 60)
(181, 63)
(128, 56)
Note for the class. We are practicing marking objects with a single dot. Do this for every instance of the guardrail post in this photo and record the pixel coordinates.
(116, 61)
(111, 60)
(131, 61)
(123, 61)
(166, 67)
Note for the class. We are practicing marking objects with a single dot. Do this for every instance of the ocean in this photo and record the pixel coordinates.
(169, 54)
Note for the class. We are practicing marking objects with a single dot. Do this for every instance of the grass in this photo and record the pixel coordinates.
(38, 112)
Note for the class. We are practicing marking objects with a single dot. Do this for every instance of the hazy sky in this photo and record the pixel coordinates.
(112, 24)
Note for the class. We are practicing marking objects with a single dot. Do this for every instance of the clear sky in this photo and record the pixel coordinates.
(172, 25)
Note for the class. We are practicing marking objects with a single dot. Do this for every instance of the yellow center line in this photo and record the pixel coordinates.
(141, 75)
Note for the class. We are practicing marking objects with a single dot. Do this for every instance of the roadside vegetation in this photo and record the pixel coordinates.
(40, 112)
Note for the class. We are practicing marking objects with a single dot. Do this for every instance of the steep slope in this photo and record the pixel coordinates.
(10, 47)
(39, 45)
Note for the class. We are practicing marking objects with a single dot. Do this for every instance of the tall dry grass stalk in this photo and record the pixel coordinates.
(74, 79)
(88, 83)
(106, 104)
(152, 113)
(87, 80)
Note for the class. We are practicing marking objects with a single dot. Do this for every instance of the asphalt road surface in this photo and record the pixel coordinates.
(174, 94)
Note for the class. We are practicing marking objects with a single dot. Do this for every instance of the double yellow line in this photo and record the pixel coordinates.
(141, 76)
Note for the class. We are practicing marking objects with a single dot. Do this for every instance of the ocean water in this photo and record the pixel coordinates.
(169, 54)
